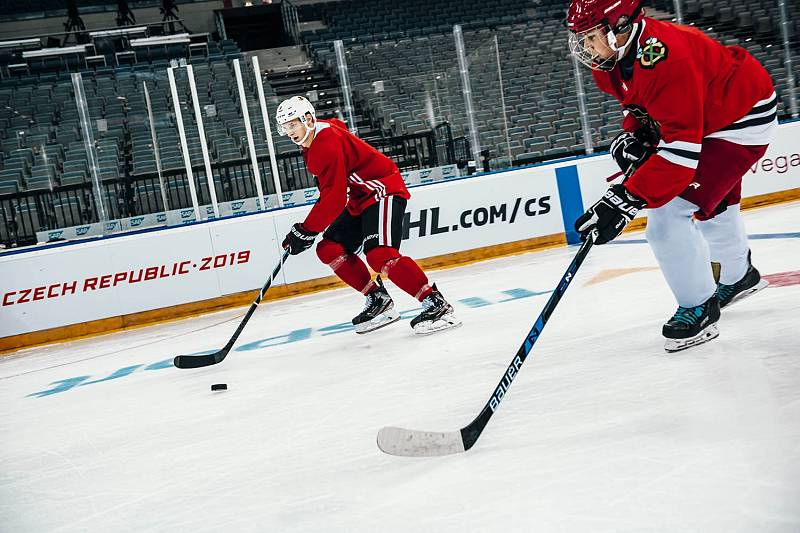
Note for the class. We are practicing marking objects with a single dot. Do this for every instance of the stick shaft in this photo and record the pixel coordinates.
(257, 301)
(473, 430)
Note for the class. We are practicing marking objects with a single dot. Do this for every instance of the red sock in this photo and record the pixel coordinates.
(348, 267)
(403, 271)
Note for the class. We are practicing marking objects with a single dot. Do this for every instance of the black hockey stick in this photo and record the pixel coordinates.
(415, 443)
(197, 361)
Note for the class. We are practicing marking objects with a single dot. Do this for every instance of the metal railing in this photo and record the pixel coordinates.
(24, 213)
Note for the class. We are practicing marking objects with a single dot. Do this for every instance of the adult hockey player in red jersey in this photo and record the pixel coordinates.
(698, 115)
(362, 202)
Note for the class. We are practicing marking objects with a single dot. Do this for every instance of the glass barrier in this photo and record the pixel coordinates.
(124, 146)
(789, 22)
(500, 138)
(508, 95)
(408, 98)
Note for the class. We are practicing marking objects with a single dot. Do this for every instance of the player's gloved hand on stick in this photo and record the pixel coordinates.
(299, 239)
(609, 215)
(629, 151)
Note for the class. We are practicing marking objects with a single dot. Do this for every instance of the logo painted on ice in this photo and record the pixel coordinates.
(82, 230)
(293, 336)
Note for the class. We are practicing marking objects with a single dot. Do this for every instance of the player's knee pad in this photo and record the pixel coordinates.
(657, 230)
(331, 253)
(670, 222)
(382, 258)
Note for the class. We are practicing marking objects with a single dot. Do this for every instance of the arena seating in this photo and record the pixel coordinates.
(538, 81)
(386, 19)
(41, 145)
(403, 71)
(32, 8)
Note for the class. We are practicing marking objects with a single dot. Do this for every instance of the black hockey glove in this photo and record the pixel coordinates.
(609, 215)
(299, 239)
(628, 150)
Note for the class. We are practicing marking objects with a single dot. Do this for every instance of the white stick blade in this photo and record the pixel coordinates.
(413, 443)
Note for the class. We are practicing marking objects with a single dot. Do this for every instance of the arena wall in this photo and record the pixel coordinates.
(71, 289)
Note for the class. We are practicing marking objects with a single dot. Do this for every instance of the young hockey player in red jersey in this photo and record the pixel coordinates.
(362, 200)
(697, 115)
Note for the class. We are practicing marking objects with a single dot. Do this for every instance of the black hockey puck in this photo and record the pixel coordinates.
(219, 386)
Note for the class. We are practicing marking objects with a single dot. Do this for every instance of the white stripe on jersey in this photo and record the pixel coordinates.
(373, 185)
(680, 145)
(767, 100)
(770, 103)
(359, 181)
(682, 153)
(678, 160)
(380, 186)
(756, 135)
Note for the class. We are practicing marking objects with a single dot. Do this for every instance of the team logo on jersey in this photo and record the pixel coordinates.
(651, 53)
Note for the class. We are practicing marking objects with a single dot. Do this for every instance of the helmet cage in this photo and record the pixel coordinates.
(578, 48)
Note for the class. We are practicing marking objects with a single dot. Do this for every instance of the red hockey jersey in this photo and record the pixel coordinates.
(350, 173)
(692, 87)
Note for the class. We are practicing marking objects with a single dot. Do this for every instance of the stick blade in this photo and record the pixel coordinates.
(197, 361)
(413, 443)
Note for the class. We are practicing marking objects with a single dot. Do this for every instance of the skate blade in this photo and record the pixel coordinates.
(676, 345)
(762, 284)
(389, 317)
(429, 328)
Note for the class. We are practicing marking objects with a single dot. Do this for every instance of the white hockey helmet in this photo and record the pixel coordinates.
(292, 108)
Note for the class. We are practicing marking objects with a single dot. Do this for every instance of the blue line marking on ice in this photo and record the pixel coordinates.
(297, 335)
(754, 236)
(569, 193)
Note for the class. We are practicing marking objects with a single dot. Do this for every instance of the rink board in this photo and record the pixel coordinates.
(76, 288)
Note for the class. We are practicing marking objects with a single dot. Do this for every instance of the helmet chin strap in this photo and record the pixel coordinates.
(308, 132)
(612, 41)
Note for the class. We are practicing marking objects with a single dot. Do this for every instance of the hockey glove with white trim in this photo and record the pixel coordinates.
(609, 215)
(299, 239)
(629, 151)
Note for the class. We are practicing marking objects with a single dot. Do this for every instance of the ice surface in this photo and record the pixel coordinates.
(602, 430)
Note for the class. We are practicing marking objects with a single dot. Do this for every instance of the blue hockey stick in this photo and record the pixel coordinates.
(415, 443)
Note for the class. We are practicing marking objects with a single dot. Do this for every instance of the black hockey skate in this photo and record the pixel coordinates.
(378, 311)
(436, 315)
(750, 284)
(690, 326)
